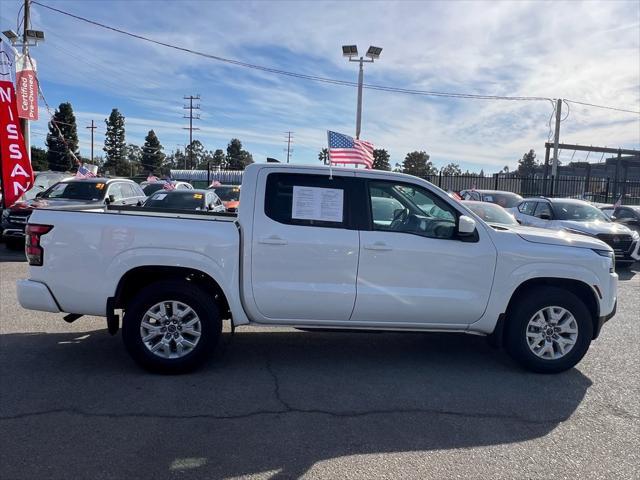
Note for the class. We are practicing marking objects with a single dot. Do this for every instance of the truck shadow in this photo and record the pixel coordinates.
(272, 403)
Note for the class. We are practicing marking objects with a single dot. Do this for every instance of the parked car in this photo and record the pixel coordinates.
(491, 213)
(42, 181)
(72, 193)
(190, 200)
(229, 194)
(303, 243)
(507, 200)
(578, 216)
(151, 187)
(627, 215)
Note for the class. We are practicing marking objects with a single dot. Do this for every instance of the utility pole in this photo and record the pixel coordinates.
(556, 140)
(289, 140)
(191, 107)
(92, 128)
(351, 51)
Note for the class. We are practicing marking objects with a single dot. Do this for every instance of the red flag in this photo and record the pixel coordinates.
(27, 85)
(17, 175)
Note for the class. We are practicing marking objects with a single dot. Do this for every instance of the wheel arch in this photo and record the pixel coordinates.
(138, 278)
(580, 289)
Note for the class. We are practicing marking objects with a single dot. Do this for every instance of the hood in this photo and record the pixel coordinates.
(559, 237)
(231, 204)
(51, 203)
(594, 228)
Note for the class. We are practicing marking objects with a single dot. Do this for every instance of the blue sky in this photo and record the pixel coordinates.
(583, 51)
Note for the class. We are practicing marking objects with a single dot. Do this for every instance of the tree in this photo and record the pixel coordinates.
(219, 158)
(323, 156)
(527, 164)
(195, 153)
(175, 160)
(418, 164)
(39, 159)
(505, 169)
(381, 159)
(152, 156)
(62, 139)
(134, 158)
(237, 158)
(115, 148)
(451, 169)
(481, 174)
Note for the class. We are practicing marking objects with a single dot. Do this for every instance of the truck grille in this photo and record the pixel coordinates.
(620, 243)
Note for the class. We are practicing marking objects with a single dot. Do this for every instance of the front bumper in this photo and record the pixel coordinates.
(36, 296)
(604, 319)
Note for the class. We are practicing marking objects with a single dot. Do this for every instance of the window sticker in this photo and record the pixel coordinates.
(99, 186)
(313, 203)
(197, 196)
(160, 196)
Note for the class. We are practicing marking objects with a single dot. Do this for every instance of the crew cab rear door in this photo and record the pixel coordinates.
(304, 247)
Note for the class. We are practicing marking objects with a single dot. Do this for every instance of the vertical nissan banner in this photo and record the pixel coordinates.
(17, 175)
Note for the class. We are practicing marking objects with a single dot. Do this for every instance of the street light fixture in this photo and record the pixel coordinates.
(11, 35)
(372, 54)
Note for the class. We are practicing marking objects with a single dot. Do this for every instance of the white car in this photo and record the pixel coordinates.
(578, 216)
(151, 187)
(315, 249)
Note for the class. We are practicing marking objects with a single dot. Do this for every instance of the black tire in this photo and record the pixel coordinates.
(523, 311)
(14, 244)
(172, 290)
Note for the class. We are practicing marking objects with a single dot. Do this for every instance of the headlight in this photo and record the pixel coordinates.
(5, 213)
(610, 255)
(635, 235)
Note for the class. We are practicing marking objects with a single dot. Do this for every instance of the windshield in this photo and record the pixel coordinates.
(491, 213)
(152, 188)
(228, 194)
(504, 199)
(183, 200)
(77, 191)
(578, 212)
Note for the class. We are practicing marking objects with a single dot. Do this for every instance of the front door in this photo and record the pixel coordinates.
(413, 267)
(304, 250)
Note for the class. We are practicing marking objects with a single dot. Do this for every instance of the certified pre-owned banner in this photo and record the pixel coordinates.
(27, 87)
(17, 176)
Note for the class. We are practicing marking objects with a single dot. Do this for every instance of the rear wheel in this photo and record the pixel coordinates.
(549, 330)
(171, 327)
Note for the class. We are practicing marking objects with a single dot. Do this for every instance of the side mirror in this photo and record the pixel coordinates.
(545, 216)
(39, 194)
(466, 226)
(110, 199)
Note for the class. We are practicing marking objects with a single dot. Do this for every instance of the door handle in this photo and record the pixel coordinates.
(272, 240)
(380, 246)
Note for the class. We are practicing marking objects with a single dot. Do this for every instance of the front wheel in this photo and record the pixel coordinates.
(171, 327)
(549, 330)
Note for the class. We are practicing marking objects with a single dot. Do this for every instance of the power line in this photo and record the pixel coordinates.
(604, 107)
(295, 74)
(191, 107)
(289, 140)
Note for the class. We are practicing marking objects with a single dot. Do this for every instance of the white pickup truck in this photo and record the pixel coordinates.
(315, 249)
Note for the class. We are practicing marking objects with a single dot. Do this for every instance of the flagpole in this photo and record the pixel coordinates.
(329, 153)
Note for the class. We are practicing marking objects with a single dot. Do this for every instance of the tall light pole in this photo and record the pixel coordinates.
(372, 54)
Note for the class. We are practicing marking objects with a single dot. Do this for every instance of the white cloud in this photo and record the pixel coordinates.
(582, 51)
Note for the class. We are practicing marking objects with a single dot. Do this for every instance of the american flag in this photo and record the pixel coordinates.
(345, 149)
(84, 172)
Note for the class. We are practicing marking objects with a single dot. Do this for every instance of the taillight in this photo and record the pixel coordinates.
(35, 252)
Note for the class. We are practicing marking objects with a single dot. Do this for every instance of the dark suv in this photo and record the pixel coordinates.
(71, 194)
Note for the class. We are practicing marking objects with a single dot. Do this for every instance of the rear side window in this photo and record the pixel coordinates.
(543, 209)
(527, 208)
(319, 201)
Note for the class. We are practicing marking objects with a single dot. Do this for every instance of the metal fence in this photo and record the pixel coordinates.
(602, 190)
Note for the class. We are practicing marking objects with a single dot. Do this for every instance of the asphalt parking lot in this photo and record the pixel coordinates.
(287, 404)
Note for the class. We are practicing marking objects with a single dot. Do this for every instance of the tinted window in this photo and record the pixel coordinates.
(177, 199)
(77, 191)
(527, 208)
(228, 194)
(279, 198)
(410, 209)
(624, 213)
(504, 199)
(491, 213)
(578, 211)
(152, 188)
(543, 209)
(470, 195)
